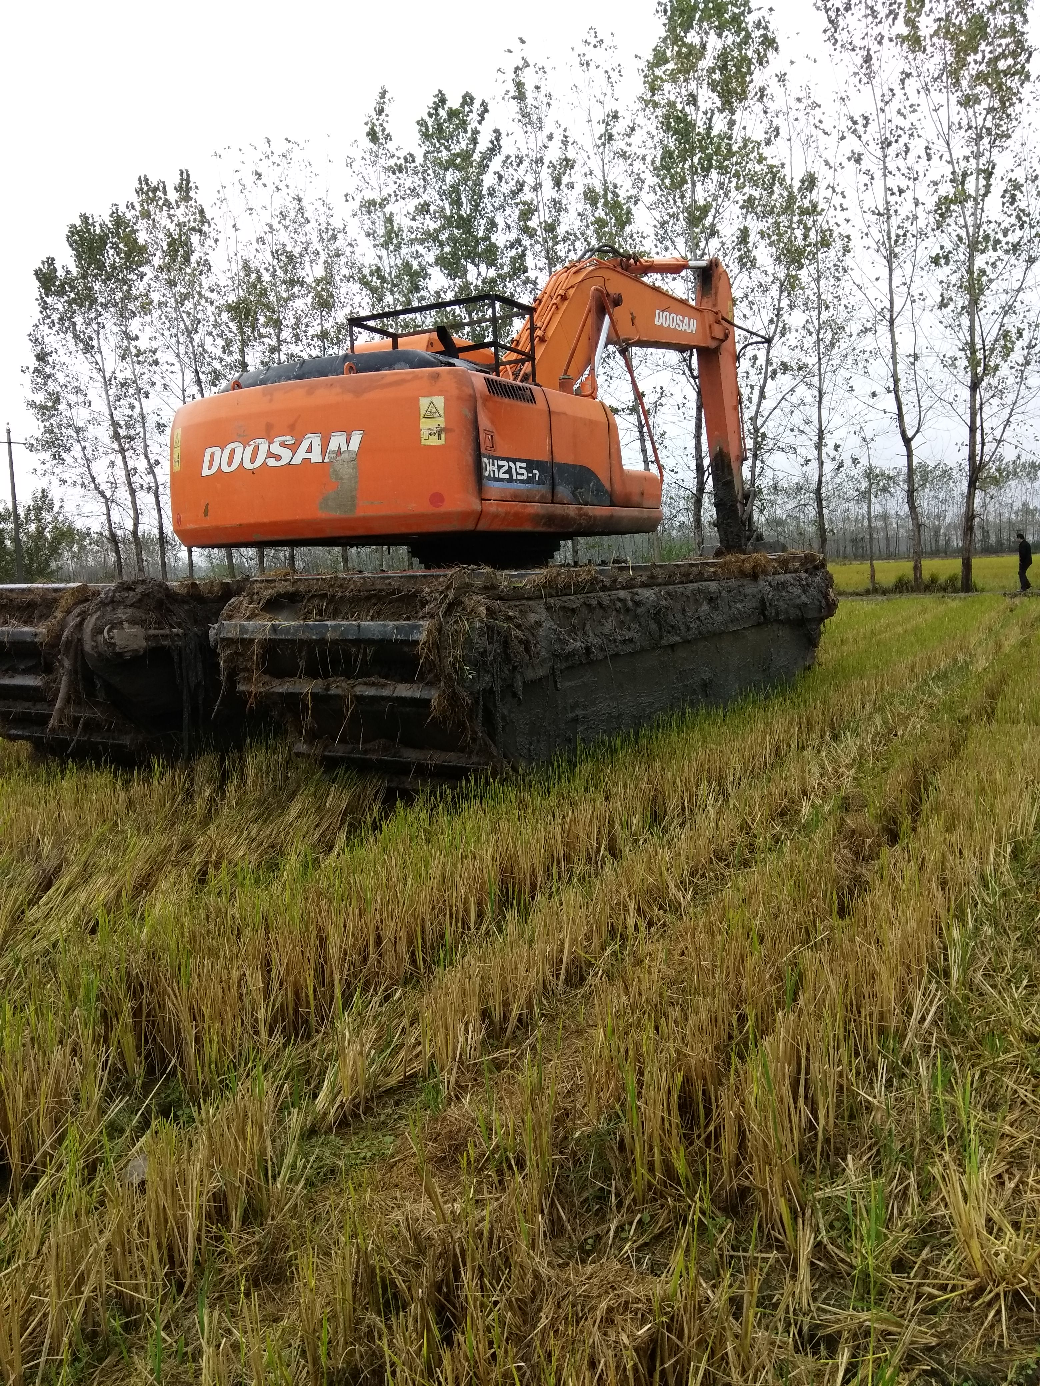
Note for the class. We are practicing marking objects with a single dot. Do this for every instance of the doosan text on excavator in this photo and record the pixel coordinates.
(470, 431)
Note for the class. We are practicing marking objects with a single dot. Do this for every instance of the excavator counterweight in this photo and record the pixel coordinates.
(480, 442)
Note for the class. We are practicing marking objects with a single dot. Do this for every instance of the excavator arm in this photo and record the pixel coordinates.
(594, 302)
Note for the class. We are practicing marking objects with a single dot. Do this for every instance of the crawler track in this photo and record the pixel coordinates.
(31, 705)
(352, 691)
(429, 674)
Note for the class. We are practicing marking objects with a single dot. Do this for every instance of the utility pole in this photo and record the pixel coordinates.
(19, 563)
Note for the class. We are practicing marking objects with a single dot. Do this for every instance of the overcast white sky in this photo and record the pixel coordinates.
(91, 95)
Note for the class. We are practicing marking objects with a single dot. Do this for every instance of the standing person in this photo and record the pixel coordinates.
(1025, 560)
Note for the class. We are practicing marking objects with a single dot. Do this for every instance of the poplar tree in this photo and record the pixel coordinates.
(610, 172)
(825, 300)
(180, 237)
(881, 111)
(288, 280)
(465, 218)
(971, 61)
(546, 165)
(71, 433)
(391, 269)
(710, 125)
(90, 308)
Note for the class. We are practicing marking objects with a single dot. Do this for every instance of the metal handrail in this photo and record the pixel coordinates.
(506, 354)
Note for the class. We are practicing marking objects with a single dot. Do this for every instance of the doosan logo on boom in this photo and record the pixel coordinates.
(280, 452)
(675, 321)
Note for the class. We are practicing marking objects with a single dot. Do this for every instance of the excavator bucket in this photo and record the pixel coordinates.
(411, 674)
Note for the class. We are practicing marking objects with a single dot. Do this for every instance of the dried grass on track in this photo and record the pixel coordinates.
(709, 1058)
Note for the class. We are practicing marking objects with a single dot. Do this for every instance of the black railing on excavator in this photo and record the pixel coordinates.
(492, 314)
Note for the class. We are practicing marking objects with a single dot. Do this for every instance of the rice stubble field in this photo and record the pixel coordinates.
(709, 1058)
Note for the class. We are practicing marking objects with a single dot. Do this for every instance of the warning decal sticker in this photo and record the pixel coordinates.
(175, 451)
(431, 420)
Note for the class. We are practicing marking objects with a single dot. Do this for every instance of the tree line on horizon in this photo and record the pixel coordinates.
(882, 241)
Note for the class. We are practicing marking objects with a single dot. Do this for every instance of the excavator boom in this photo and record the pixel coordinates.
(597, 302)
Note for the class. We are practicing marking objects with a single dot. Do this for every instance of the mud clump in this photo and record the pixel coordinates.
(147, 644)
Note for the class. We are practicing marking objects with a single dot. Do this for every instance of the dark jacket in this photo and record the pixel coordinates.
(1025, 554)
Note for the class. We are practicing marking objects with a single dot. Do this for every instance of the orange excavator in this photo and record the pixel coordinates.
(471, 432)
(474, 451)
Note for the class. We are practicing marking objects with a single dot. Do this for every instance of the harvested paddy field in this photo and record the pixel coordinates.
(712, 1058)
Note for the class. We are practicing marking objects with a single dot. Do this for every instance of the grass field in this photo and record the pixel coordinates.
(991, 572)
(713, 1058)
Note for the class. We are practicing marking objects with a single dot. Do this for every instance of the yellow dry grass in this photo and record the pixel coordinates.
(709, 1058)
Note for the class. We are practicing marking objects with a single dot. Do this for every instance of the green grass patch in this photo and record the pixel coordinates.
(990, 572)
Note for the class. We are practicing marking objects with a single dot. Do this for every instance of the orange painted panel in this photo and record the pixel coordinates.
(580, 447)
(630, 486)
(566, 520)
(351, 457)
(515, 450)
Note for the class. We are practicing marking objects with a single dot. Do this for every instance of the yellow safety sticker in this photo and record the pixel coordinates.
(175, 451)
(431, 420)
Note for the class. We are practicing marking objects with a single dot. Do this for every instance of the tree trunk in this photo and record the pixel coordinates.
(972, 488)
(102, 495)
(870, 531)
(200, 389)
(113, 539)
(146, 453)
(974, 432)
(159, 524)
(916, 540)
(755, 429)
(229, 558)
(117, 438)
(907, 437)
(135, 514)
(821, 518)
